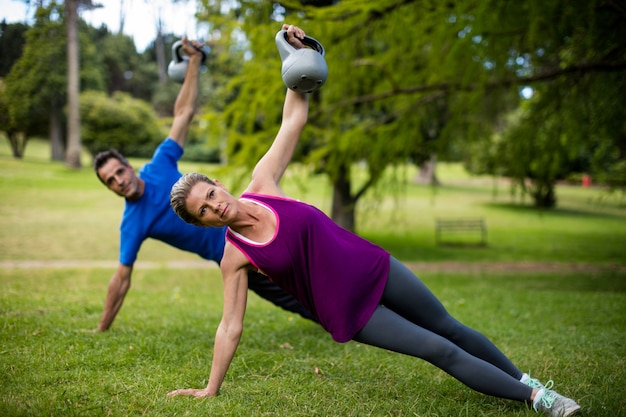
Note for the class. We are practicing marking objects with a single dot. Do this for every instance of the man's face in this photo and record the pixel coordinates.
(121, 179)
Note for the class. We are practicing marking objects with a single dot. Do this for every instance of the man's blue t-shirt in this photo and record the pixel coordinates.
(152, 216)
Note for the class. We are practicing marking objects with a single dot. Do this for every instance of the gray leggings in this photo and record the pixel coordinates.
(412, 321)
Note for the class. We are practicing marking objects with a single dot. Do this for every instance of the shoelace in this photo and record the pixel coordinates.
(547, 400)
(536, 384)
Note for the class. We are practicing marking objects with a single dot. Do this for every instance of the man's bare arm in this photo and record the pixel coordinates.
(118, 287)
(185, 105)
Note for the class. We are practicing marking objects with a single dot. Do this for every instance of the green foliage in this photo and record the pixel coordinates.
(588, 227)
(16, 139)
(201, 153)
(36, 86)
(37, 80)
(11, 44)
(409, 79)
(198, 148)
(121, 122)
(615, 176)
(576, 67)
(164, 97)
(4, 109)
(125, 69)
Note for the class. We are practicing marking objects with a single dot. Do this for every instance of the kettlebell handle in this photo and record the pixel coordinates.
(177, 67)
(177, 47)
(285, 48)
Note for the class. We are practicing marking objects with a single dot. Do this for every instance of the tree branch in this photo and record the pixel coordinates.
(447, 87)
(550, 75)
(371, 181)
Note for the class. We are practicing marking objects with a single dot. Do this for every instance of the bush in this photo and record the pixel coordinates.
(201, 153)
(121, 122)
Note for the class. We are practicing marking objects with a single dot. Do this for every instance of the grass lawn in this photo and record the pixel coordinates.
(567, 327)
(568, 324)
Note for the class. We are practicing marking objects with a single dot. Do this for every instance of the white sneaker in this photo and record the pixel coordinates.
(535, 383)
(554, 404)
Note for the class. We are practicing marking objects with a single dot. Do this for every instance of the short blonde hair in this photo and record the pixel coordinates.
(180, 192)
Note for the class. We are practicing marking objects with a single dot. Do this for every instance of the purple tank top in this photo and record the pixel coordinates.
(338, 276)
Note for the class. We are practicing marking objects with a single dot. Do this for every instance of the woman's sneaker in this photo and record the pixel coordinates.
(554, 404)
(535, 383)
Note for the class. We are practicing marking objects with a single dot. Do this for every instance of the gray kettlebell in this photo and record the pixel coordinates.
(303, 70)
(177, 68)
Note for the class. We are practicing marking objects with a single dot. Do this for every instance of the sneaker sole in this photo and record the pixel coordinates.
(571, 412)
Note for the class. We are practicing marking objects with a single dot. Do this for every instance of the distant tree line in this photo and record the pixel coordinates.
(113, 75)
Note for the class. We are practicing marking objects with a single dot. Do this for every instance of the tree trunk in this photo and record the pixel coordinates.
(57, 150)
(343, 204)
(72, 156)
(428, 171)
(18, 143)
(160, 52)
(122, 18)
(543, 194)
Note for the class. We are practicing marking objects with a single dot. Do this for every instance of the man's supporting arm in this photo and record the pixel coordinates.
(118, 287)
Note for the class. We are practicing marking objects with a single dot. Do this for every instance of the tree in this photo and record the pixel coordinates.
(72, 155)
(36, 86)
(572, 57)
(11, 44)
(123, 67)
(33, 86)
(363, 114)
(409, 79)
(16, 138)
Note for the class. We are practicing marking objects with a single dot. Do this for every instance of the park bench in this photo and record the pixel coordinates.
(461, 231)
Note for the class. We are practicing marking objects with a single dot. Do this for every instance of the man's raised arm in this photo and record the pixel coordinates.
(185, 105)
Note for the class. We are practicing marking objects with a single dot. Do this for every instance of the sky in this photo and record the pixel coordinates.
(140, 20)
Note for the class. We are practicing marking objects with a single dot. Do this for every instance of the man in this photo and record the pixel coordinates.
(147, 213)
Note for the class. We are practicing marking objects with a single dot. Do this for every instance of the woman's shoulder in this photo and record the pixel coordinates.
(233, 259)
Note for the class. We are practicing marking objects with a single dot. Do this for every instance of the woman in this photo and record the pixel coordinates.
(355, 289)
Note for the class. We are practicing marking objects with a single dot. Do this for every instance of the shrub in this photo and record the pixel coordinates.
(122, 122)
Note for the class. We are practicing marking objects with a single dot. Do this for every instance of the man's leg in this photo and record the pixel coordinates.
(266, 289)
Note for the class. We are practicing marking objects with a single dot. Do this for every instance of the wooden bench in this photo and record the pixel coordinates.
(464, 231)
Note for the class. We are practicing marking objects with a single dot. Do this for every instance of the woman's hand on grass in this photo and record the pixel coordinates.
(89, 330)
(198, 393)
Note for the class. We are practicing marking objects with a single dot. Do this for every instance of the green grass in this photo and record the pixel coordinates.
(568, 325)
(44, 203)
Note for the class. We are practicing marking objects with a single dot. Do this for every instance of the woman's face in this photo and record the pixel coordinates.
(211, 204)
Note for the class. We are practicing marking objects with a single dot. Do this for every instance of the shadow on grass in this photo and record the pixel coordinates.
(556, 212)
(604, 280)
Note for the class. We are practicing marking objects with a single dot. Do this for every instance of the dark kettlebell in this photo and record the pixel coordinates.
(303, 70)
(177, 68)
